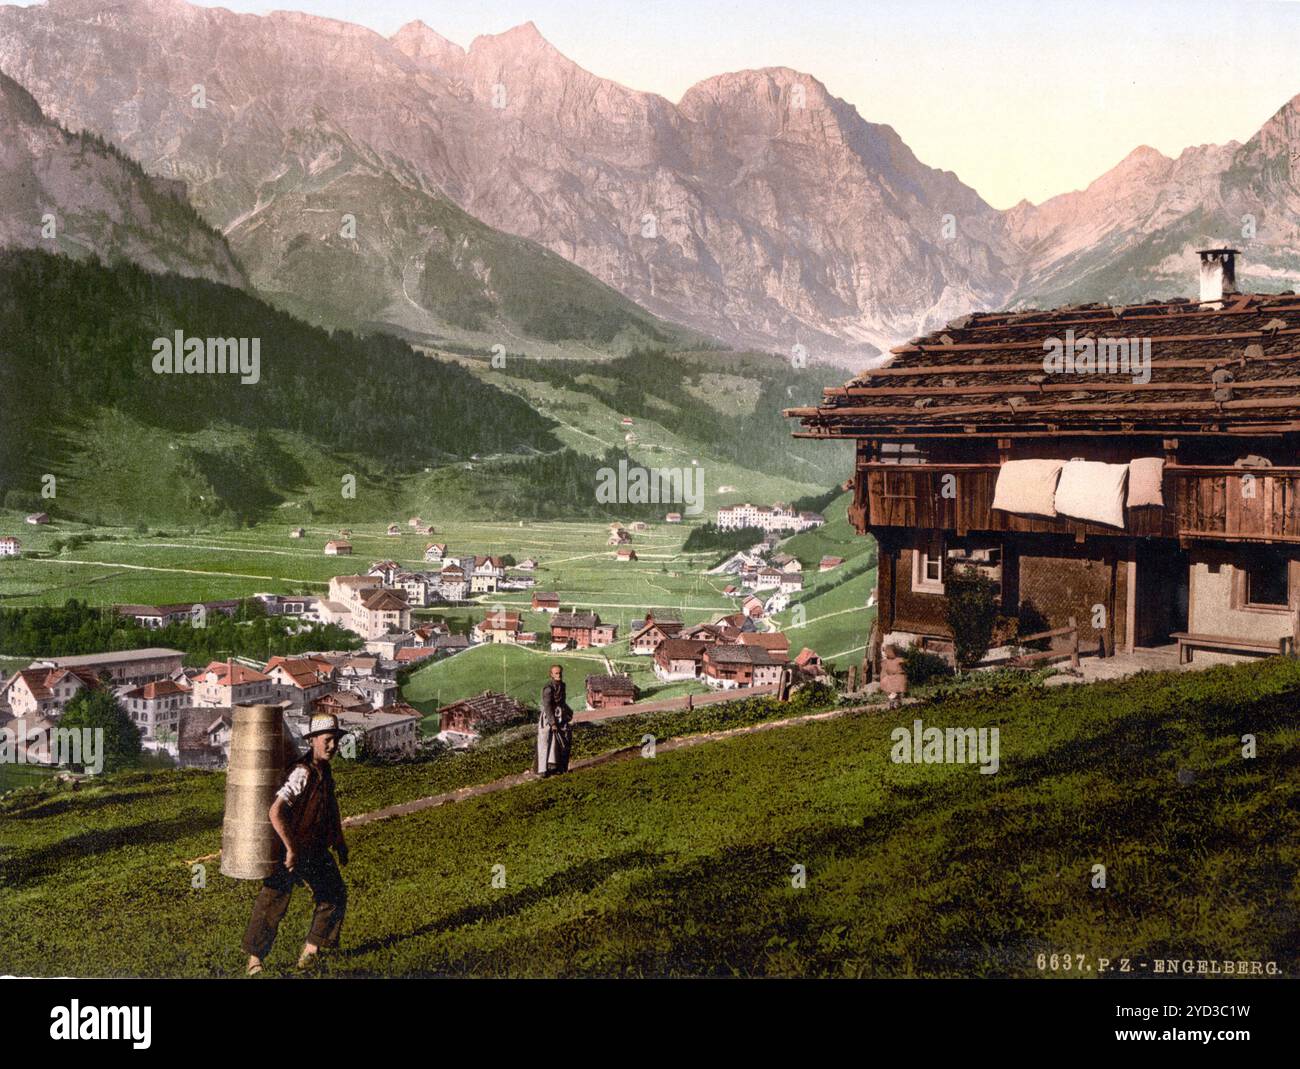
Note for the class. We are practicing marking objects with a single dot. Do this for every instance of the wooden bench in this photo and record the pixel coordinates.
(1188, 641)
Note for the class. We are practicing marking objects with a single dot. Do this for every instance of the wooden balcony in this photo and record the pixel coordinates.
(1201, 502)
(1235, 504)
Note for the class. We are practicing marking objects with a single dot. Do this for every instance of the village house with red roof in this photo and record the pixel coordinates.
(157, 707)
(300, 680)
(488, 573)
(546, 601)
(45, 691)
(227, 683)
(501, 626)
(647, 634)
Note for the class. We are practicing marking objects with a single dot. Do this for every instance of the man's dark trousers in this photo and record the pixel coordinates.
(320, 873)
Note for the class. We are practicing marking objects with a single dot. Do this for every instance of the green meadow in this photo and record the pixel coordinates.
(1126, 821)
(521, 671)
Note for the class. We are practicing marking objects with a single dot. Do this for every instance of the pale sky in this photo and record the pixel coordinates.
(1020, 98)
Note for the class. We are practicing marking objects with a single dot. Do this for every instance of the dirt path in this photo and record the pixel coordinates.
(505, 783)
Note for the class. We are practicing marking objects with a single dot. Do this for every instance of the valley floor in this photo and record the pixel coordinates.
(106, 566)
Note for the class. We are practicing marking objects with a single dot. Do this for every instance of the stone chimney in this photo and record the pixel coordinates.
(1218, 275)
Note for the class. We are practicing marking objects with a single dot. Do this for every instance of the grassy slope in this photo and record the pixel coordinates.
(118, 469)
(588, 425)
(681, 865)
(175, 564)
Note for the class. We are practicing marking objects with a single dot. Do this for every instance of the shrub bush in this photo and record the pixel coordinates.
(971, 612)
(923, 667)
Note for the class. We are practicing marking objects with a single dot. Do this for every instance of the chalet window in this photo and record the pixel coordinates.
(927, 568)
(1262, 582)
(1266, 585)
(933, 561)
(980, 554)
(901, 453)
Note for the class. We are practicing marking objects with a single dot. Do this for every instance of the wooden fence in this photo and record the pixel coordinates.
(687, 701)
(1071, 650)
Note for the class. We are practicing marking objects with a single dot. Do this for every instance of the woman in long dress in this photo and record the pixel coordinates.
(554, 727)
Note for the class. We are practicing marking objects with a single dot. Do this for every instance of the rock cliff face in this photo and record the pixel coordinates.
(73, 194)
(318, 148)
(759, 209)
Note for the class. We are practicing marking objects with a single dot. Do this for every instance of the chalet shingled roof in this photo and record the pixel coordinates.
(489, 709)
(615, 684)
(984, 374)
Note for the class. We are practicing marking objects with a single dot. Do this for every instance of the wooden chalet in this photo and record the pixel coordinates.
(610, 691)
(679, 658)
(545, 601)
(727, 666)
(647, 634)
(580, 630)
(1146, 506)
(484, 712)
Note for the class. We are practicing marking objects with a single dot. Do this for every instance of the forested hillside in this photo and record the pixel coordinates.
(77, 352)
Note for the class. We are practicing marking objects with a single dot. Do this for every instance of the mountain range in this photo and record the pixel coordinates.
(501, 191)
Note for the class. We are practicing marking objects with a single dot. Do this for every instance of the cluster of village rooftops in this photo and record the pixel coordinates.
(186, 711)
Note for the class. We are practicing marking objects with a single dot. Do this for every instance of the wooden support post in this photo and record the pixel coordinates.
(853, 678)
(1130, 606)
(872, 658)
(1009, 595)
(886, 571)
(1293, 602)
(1111, 630)
(1074, 642)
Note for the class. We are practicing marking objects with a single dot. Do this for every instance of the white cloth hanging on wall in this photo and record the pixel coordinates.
(1089, 490)
(1027, 486)
(1145, 475)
